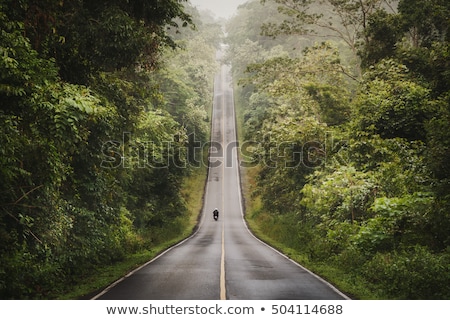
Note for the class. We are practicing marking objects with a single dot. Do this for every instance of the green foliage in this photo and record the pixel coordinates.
(439, 141)
(286, 156)
(395, 107)
(342, 195)
(383, 33)
(318, 74)
(287, 114)
(428, 19)
(346, 20)
(397, 222)
(86, 37)
(412, 274)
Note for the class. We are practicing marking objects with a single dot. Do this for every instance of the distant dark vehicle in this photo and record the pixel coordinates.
(216, 214)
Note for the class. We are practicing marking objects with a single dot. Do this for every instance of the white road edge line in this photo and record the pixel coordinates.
(223, 288)
(144, 265)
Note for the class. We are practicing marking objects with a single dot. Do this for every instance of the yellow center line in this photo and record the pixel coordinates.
(223, 291)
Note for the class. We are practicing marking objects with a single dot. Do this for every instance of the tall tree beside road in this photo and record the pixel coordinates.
(344, 20)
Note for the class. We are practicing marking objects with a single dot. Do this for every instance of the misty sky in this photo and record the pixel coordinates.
(221, 8)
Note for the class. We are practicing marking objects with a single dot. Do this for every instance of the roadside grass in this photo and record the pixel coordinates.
(193, 193)
(102, 277)
(278, 236)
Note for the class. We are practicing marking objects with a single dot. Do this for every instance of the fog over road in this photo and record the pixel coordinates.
(222, 260)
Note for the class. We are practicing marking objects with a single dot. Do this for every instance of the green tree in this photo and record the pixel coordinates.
(426, 21)
(383, 32)
(346, 20)
(392, 103)
(90, 36)
(319, 73)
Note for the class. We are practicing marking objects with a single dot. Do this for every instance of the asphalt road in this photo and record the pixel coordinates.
(222, 260)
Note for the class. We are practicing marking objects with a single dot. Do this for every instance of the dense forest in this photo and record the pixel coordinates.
(345, 119)
(103, 107)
